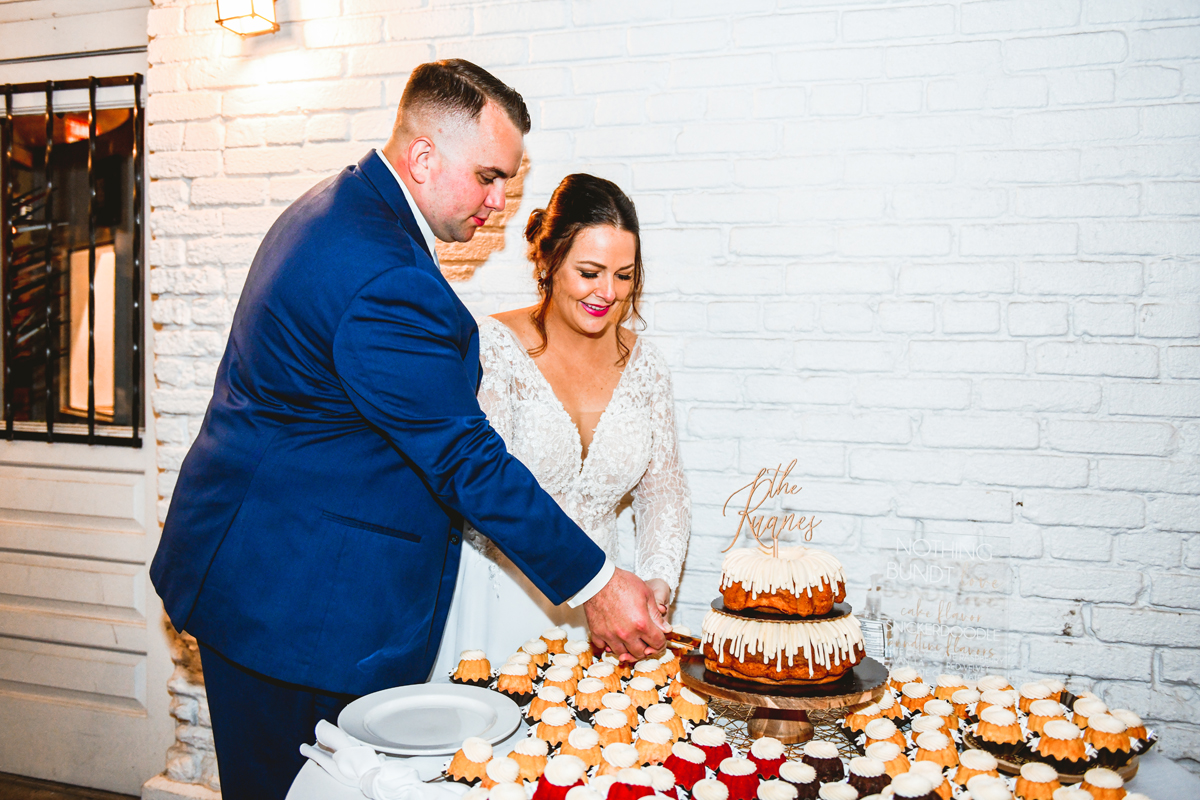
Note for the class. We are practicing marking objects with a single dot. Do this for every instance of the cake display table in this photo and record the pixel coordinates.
(781, 709)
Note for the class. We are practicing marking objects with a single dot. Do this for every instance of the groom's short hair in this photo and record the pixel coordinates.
(458, 87)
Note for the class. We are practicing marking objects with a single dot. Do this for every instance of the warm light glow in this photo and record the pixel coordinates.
(247, 17)
(106, 313)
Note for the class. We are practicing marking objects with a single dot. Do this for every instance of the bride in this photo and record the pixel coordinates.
(587, 406)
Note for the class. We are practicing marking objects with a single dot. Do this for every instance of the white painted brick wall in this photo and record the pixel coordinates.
(947, 255)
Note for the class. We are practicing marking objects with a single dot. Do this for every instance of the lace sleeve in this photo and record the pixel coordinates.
(662, 503)
(495, 390)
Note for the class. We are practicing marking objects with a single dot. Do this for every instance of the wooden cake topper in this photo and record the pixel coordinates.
(767, 486)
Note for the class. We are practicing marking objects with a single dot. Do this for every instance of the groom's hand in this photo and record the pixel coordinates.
(624, 617)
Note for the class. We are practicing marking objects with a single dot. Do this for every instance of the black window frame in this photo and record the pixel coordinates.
(69, 432)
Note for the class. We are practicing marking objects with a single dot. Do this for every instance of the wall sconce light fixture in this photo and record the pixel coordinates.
(247, 17)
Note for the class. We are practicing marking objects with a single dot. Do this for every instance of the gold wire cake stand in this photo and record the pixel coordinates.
(791, 714)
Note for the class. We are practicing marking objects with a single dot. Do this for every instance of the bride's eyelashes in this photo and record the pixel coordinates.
(623, 276)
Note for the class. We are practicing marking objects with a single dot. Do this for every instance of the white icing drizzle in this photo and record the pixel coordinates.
(911, 785)
(949, 681)
(1035, 691)
(776, 790)
(519, 657)
(1103, 778)
(903, 675)
(976, 782)
(736, 765)
(1106, 723)
(640, 683)
(883, 751)
(916, 690)
(514, 669)
(620, 755)
(589, 686)
(557, 674)
(837, 791)
(615, 700)
(600, 669)
(552, 694)
(828, 643)
(667, 657)
(929, 770)
(477, 750)
(577, 647)
(818, 749)
(633, 777)
(610, 718)
(1089, 706)
(996, 697)
(709, 789)
(767, 748)
(998, 716)
(575, 793)
(646, 665)
(659, 712)
(1046, 708)
(556, 716)
(472, 655)
(1060, 729)
(688, 696)
(688, 752)
(583, 738)
(564, 770)
(554, 635)
(797, 772)
(932, 740)
(503, 769)
(965, 697)
(992, 791)
(796, 570)
(564, 660)
(708, 735)
(661, 778)
(654, 732)
(886, 702)
(1072, 793)
(928, 723)
(991, 682)
(534, 647)
(875, 729)
(532, 746)
(1130, 719)
(1034, 771)
(938, 708)
(867, 767)
(980, 760)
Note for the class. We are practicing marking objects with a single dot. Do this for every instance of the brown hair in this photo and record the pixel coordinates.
(580, 201)
(456, 86)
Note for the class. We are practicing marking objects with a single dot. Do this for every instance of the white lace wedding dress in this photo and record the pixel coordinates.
(634, 448)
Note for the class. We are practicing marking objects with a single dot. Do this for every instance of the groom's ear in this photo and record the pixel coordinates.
(420, 158)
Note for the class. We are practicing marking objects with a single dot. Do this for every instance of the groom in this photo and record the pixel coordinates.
(313, 536)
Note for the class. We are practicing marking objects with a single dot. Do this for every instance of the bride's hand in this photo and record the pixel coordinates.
(662, 594)
(623, 616)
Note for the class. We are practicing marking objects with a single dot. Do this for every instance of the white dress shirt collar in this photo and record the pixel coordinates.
(426, 231)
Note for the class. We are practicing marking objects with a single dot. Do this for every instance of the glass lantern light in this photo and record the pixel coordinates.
(247, 17)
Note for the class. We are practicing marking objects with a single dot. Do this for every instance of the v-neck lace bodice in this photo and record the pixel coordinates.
(634, 448)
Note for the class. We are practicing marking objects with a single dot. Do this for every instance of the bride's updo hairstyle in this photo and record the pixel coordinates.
(580, 201)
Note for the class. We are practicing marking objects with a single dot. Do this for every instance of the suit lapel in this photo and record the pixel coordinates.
(379, 176)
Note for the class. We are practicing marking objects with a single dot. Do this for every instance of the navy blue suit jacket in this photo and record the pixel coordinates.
(315, 529)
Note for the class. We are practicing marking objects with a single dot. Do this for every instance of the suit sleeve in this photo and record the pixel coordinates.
(397, 357)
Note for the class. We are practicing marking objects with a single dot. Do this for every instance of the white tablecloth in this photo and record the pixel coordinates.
(1159, 778)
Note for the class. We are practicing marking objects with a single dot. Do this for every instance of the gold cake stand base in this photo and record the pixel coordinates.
(782, 712)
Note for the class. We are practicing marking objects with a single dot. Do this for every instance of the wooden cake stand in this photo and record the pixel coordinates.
(781, 710)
